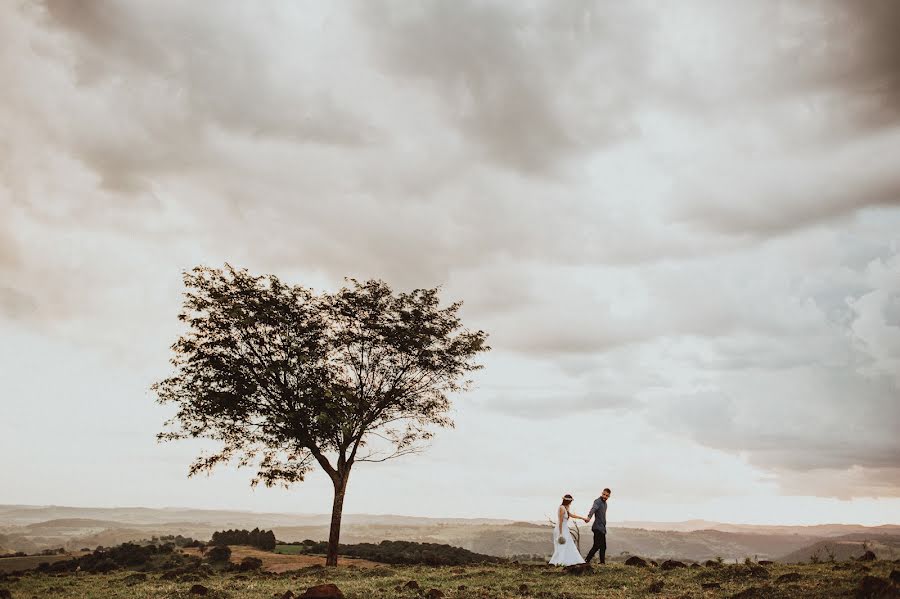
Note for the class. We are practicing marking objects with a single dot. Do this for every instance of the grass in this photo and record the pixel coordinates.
(481, 582)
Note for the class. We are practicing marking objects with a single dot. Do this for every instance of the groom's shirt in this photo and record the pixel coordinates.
(598, 511)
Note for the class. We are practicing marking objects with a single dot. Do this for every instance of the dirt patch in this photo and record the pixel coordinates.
(279, 562)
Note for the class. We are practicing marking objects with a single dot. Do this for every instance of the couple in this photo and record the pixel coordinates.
(565, 553)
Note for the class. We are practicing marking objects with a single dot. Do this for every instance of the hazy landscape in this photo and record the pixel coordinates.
(32, 529)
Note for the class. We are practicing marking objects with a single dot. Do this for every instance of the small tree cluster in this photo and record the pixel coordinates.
(262, 539)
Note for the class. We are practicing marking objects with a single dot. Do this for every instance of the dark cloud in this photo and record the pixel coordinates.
(530, 86)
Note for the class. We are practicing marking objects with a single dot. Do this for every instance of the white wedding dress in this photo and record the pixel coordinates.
(565, 554)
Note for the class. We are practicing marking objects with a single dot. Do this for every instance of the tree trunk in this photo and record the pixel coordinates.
(340, 488)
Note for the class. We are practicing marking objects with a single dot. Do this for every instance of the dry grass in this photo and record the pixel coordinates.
(474, 582)
(279, 562)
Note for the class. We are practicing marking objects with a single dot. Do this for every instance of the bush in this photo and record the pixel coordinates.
(219, 553)
(407, 552)
(250, 563)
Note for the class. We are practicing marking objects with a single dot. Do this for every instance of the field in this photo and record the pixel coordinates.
(495, 582)
(283, 562)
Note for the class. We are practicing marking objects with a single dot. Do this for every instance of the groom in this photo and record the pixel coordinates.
(598, 510)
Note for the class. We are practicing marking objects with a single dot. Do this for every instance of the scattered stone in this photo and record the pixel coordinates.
(199, 589)
(671, 564)
(523, 588)
(789, 577)
(711, 563)
(637, 561)
(868, 556)
(578, 569)
(434, 594)
(656, 586)
(412, 584)
(765, 562)
(895, 577)
(871, 587)
(133, 579)
(323, 591)
(711, 585)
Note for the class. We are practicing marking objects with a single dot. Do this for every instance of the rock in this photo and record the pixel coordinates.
(656, 586)
(523, 589)
(895, 577)
(637, 561)
(711, 585)
(198, 589)
(133, 579)
(578, 569)
(412, 584)
(711, 563)
(789, 577)
(871, 587)
(323, 591)
(765, 562)
(671, 564)
(434, 594)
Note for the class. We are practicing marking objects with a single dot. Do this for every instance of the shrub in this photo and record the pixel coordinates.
(250, 563)
(219, 553)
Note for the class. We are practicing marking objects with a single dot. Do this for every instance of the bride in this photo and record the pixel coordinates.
(565, 553)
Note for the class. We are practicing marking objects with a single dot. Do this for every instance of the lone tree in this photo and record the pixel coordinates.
(285, 379)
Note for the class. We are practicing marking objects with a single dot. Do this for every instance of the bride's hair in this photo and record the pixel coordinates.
(567, 499)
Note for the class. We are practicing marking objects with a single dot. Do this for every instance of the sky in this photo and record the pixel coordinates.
(678, 222)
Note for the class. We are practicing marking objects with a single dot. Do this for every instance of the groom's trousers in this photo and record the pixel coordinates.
(599, 547)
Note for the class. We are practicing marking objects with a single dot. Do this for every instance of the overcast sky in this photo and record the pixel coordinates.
(679, 223)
